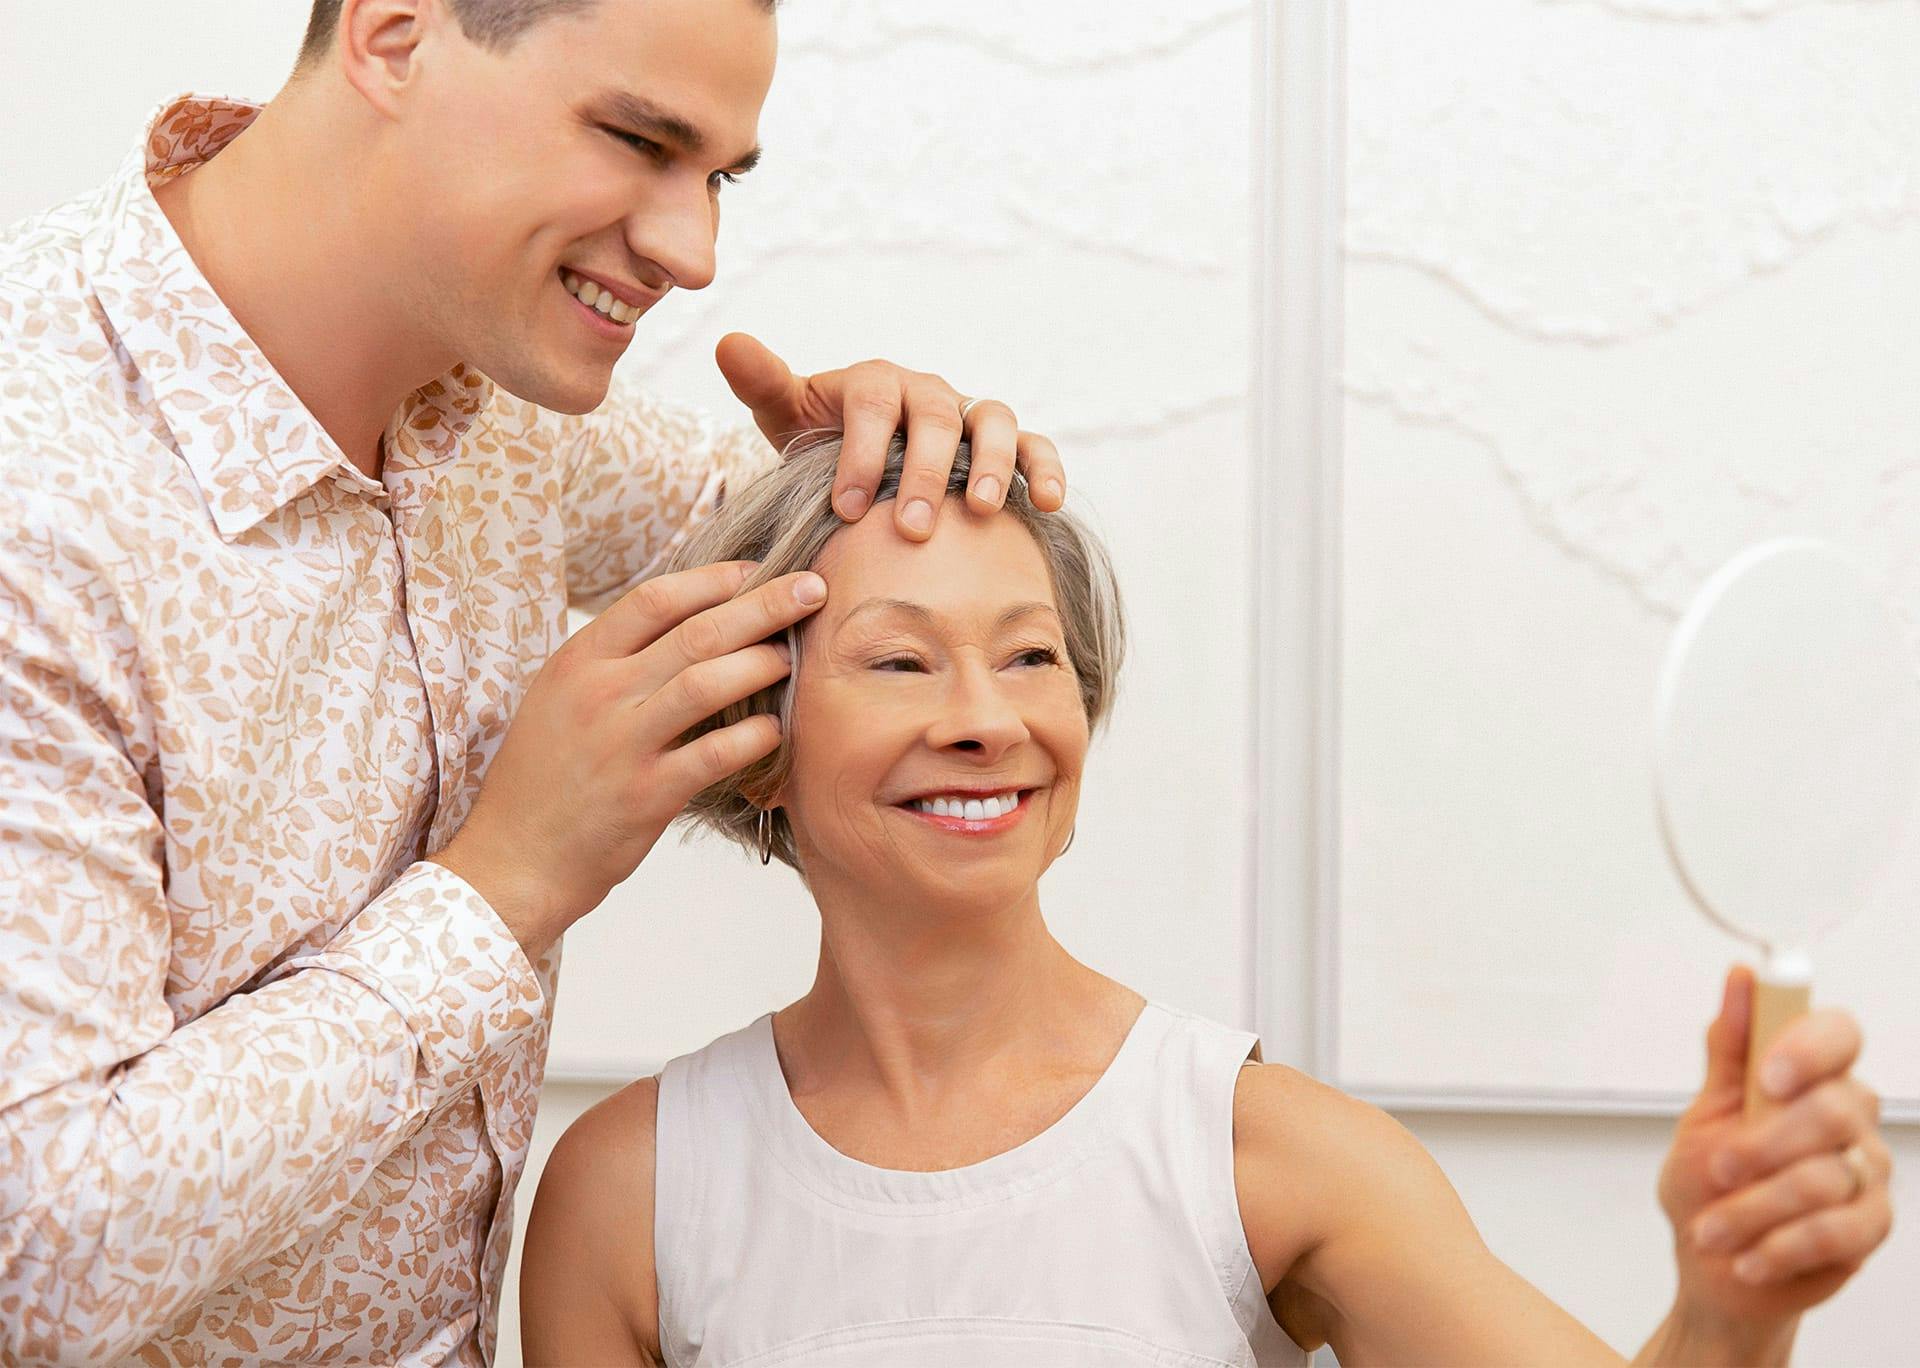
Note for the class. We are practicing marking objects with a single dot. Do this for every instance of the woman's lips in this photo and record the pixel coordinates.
(986, 826)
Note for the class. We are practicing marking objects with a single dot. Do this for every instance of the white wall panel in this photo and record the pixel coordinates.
(1627, 288)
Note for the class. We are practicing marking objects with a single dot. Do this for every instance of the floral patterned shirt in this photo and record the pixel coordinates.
(267, 1077)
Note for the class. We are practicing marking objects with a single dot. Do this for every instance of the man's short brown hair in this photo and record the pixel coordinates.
(490, 23)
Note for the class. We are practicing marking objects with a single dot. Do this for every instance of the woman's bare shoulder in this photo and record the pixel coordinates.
(587, 1280)
(1296, 1144)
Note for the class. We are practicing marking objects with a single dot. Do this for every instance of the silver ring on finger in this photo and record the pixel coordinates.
(1855, 1158)
(966, 407)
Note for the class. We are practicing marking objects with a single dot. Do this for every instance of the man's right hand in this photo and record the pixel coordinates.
(590, 773)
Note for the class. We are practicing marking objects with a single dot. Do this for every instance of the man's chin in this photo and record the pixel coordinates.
(582, 392)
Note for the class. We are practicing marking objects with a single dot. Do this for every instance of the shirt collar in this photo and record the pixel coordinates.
(251, 444)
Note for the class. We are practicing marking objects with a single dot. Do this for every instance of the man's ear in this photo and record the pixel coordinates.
(377, 45)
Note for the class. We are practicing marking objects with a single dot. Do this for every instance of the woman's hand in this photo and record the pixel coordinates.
(1767, 1220)
(871, 401)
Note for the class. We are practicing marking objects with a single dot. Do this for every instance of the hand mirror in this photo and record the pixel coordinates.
(1786, 759)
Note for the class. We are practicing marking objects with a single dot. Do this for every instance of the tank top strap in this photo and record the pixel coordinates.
(703, 1137)
(1195, 1087)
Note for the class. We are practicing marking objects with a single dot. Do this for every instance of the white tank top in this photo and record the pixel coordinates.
(1111, 1238)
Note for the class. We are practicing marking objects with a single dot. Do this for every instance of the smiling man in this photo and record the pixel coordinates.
(306, 445)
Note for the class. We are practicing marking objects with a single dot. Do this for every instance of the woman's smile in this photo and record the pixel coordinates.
(971, 814)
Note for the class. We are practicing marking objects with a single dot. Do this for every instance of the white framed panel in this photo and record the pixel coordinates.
(1616, 298)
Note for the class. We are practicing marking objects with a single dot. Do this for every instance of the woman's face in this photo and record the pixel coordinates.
(935, 677)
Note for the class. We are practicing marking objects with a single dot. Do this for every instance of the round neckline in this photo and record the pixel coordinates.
(840, 1178)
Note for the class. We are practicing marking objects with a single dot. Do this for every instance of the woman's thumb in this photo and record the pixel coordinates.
(1727, 1037)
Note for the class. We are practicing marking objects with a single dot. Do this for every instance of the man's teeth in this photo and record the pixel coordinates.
(970, 809)
(598, 299)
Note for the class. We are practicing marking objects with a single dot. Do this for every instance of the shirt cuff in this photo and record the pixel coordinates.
(436, 952)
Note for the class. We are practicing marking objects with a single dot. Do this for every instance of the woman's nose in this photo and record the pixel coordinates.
(977, 717)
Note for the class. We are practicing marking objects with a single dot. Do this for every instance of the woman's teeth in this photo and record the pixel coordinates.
(968, 809)
(597, 299)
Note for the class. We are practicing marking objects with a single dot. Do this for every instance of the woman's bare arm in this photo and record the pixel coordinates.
(587, 1288)
(1362, 1242)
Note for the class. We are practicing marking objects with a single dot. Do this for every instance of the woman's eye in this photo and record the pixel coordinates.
(1041, 655)
(898, 664)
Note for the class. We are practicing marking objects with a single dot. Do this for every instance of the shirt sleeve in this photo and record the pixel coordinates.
(145, 1162)
(638, 474)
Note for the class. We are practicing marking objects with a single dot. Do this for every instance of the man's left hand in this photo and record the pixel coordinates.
(1766, 1218)
(870, 402)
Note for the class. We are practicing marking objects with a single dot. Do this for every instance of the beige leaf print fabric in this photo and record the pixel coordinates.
(267, 1076)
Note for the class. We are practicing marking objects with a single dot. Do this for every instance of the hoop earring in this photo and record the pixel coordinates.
(1072, 831)
(763, 835)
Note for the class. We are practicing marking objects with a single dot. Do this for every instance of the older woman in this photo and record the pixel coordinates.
(963, 1146)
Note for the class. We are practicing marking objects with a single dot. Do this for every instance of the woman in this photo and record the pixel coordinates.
(962, 1146)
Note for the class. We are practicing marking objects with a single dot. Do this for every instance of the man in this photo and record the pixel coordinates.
(285, 541)
(301, 786)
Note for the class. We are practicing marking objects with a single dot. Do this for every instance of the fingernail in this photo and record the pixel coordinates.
(1709, 1233)
(1725, 1169)
(1053, 490)
(988, 490)
(852, 502)
(809, 588)
(918, 515)
(1776, 1076)
(1750, 1268)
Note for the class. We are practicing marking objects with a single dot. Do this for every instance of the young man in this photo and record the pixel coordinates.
(291, 511)
(298, 785)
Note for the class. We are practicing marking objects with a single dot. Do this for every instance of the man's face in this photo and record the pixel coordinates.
(594, 149)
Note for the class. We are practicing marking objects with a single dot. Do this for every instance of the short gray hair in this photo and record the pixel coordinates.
(783, 520)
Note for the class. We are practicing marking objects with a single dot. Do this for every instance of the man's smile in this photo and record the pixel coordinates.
(617, 304)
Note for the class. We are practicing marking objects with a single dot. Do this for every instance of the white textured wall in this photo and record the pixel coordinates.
(1628, 287)
(1051, 202)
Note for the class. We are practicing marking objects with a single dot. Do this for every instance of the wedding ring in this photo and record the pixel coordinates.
(966, 407)
(1855, 1156)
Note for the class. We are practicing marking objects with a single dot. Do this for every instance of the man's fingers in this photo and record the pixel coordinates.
(712, 756)
(1811, 1184)
(731, 626)
(1829, 1117)
(1820, 1045)
(871, 407)
(994, 435)
(1039, 461)
(757, 377)
(649, 611)
(707, 687)
(933, 440)
(1835, 1236)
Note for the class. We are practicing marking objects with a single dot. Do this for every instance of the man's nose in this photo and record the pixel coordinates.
(677, 233)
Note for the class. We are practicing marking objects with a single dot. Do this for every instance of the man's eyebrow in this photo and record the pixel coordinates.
(921, 616)
(638, 112)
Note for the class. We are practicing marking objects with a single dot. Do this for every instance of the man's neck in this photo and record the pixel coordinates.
(296, 253)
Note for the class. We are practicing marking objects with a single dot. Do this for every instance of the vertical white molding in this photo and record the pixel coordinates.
(1298, 162)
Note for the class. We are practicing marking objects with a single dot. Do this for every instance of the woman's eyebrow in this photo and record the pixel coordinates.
(920, 615)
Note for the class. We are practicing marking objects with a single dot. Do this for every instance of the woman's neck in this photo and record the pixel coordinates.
(922, 1007)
